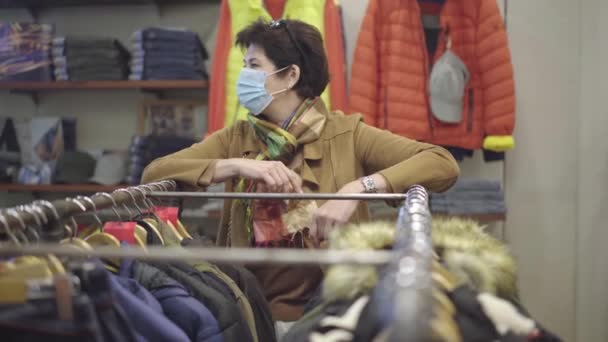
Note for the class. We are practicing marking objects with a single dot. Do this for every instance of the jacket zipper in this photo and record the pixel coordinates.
(470, 111)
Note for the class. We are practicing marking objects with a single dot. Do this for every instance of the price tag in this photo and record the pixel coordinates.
(167, 214)
(123, 231)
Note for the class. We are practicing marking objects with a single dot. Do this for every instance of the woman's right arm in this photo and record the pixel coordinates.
(207, 163)
(195, 166)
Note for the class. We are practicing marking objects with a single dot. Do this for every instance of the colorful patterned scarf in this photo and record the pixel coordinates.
(284, 145)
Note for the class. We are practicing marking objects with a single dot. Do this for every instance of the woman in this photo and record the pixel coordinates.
(290, 143)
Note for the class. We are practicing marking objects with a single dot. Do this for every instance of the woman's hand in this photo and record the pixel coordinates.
(331, 214)
(274, 174)
(335, 213)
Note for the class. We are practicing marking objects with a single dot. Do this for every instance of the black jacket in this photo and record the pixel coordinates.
(232, 324)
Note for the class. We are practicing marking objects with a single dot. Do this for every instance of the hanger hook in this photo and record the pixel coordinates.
(7, 230)
(150, 189)
(40, 212)
(14, 213)
(74, 223)
(134, 201)
(143, 197)
(161, 185)
(114, 205)
(31, 212)
(35, 214)
(97, 219)
(50, 206)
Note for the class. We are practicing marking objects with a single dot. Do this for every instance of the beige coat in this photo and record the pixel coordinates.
(347, 150)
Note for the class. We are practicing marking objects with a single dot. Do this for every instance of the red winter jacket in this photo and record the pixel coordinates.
(390, 73)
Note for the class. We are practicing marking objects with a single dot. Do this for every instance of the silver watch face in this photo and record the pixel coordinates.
(369, 184)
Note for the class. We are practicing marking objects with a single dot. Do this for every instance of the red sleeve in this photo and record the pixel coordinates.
(365, 83)
(496, 70)
(334, 44)
(217, 84)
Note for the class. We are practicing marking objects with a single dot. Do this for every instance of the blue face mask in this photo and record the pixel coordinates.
(251, 90)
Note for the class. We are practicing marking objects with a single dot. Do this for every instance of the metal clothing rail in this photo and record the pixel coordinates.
(290, 196)
(17, 217)
(276, 256)
(405, 298)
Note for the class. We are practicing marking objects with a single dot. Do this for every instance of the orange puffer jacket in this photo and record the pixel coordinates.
(390, 73)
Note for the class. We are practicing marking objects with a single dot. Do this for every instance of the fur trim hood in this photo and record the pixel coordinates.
(462, 247)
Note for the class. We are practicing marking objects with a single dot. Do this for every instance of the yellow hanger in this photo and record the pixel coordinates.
(141, 234)
(182, 230)
(105, 239)
(16, 275)
(155, 229)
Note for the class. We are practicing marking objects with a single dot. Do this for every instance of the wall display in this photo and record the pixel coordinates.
(181, 118)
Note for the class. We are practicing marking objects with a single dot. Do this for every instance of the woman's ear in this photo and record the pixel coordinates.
(294, 75)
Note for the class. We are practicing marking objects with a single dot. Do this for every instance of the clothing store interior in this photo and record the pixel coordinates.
(303, 170)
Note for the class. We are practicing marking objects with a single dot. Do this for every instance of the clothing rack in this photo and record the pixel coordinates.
(413, 269)
(19, 217)
(59, 210)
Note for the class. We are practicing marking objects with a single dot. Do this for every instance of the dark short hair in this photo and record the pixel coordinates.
(307, 52)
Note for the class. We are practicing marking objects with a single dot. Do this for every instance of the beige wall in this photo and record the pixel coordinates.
(541, 172)
(592, 266)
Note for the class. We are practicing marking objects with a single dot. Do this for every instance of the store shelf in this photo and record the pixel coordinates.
(69, 3)
(103, 85)
(67, 188)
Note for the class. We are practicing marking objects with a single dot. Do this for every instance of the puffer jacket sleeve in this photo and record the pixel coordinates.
(335, 55)
(404, 162)
(217, 82)
(496, 72)
(365, 78)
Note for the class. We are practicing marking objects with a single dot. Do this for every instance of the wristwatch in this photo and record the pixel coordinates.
(369, 185)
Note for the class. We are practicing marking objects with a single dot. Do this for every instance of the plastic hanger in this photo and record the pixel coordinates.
(167, 228)
(153, 220)
(53, 262)
(180, 227)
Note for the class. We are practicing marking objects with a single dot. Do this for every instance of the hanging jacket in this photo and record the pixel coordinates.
(391, 67)
(235, 15)
(177, 304)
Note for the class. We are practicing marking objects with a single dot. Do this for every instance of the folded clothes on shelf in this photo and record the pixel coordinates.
(167, 54)
(24, 52)
(470, 197)
(83, 58)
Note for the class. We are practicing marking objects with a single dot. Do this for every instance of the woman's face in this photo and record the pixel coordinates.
(256, 59)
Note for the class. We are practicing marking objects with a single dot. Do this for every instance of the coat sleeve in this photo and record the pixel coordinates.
(496, 70)
(217, 83)
(334, 43)
(194, 166)
(404, 162)
(365, 81)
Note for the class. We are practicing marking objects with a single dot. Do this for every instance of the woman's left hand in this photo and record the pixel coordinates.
(331, 214)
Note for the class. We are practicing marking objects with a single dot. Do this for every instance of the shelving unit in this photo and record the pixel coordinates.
(34, 6)
(158, 87)
(102, 85)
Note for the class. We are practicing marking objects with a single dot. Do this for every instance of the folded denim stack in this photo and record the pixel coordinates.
(167, 54)
(470, 197)
(24, 52)
(81, 58)
(144, 149)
